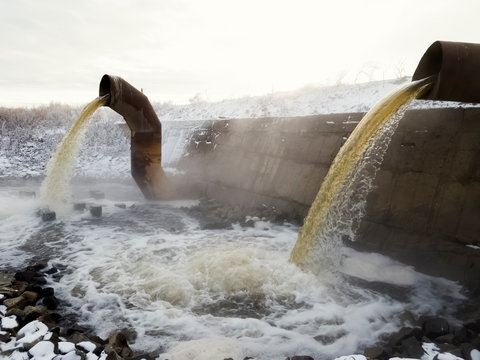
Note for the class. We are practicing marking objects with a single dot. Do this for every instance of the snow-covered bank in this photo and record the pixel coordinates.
(28, 136)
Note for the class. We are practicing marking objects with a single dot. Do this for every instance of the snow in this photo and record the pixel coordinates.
(9, 322)
(17, 355)
(43, 351)
(475, 354)
(65, 347)
(87, 346)
(27, 143)
(31, 332)
(70, 356)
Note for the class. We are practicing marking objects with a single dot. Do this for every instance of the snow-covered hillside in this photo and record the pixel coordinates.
(309, 100)
(28, 136)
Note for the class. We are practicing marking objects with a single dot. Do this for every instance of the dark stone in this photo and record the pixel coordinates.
(467, 351)
(49, 291)
(51, 302)
(32, 313)
(445, 339)
(39, 280)
(412, 348)
(435, 327)
(36, 267)
(452, 349)
(19, 314)
(405, 332)
(300, 357)
(121, 206)
(79, 206)
(35, 288)
(51, 271)
(27, 298)
(375, 352)
(48, 215)
(96, 211)
(26, 275)
(118, 342)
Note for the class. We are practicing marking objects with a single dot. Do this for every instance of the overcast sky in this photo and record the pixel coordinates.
(57, 50)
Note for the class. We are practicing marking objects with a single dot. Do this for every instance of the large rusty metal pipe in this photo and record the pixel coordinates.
(456, 67)
(146, 133)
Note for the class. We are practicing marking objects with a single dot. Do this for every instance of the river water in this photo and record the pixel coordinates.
(150, 268)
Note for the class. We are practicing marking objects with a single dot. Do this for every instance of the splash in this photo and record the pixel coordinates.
(55, 189)
(340, 202)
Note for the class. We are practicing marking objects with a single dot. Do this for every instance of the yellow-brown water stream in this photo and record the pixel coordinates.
(55, 189)
(343, 188)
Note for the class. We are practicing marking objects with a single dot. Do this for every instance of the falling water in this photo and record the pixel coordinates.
(55, 189)
(340, 202)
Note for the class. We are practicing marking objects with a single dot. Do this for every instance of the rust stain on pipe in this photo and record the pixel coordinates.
(456, 66)
(146, 134)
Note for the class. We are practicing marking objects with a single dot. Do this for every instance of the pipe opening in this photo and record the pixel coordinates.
(105, 87)
(430, 63)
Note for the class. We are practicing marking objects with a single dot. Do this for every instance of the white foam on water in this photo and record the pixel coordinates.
(150, 268)
(376, 267)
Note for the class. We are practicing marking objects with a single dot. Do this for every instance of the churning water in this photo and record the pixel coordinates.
(149, 268)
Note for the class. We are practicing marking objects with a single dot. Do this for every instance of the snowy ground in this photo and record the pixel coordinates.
(29, 136)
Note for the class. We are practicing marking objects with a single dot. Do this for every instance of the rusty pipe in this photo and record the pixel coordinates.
(456, 67)
(146, 133)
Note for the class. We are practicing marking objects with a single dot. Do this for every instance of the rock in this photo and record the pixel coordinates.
(18, 313)
(435, 327)
(111, 354)
(412, 348)
(375, 352)
(32, 313)
(48, 215)
(64, 347)
(467, 351)
(405, 332)
(43, 350)
(9, 322)
(121, 206)
(300, 357)
(49, 291)
(50, 302)
(445, 339)
(31, 334)
(96, 211)
(118, 342)
(12, 288)
(27, 275)
(19, 302)
(86, 346)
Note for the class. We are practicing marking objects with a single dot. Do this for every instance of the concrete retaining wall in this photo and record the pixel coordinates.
(424, 211)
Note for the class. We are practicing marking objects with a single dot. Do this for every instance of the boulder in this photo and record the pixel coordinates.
(118, 342)
(435, 327)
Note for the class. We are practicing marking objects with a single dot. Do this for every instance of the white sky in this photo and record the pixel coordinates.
(57, 50)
